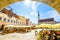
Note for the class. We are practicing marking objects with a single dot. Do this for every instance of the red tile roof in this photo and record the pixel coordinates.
(45, 20)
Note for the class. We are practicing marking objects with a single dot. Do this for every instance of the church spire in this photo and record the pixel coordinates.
(38, 17)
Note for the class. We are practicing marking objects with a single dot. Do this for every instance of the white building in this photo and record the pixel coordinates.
(5, 20)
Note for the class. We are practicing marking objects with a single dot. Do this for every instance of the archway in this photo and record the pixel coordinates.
(53, 3)
(37, 7)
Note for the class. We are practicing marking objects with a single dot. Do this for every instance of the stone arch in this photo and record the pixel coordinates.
(53, 3)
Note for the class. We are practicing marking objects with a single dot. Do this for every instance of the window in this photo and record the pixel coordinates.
(18, 22)
(8, 20)
(4, 19)
(23, 24)
(11, 20)
(14, 21)
(0, 18)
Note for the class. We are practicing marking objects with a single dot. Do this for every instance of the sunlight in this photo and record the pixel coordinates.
(27, 2)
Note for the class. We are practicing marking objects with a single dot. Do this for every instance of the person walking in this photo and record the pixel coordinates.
(36, 32)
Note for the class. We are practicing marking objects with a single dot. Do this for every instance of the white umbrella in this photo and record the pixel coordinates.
(44, 25)
(56, 25)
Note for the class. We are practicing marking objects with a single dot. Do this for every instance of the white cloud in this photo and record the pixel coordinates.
(54, 14)
(34, 8)
(33, 20)
(33, 13)
(27, 16)
(34, 5)
(27, 2)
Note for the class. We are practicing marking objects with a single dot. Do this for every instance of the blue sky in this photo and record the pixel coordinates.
(30, 10)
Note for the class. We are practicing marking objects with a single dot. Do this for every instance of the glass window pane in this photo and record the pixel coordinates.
(4, 19)
(0, 18)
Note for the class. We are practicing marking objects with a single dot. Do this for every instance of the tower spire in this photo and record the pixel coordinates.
(38, 17)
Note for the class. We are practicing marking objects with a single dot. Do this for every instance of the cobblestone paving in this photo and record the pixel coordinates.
(19, 36)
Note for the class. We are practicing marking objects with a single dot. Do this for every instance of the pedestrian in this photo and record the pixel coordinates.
(36, 32)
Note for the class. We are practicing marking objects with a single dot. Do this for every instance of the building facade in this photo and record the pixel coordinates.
(47, 21)
(27, 21)
(4, 19)
(22, 20)
(7, 17)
